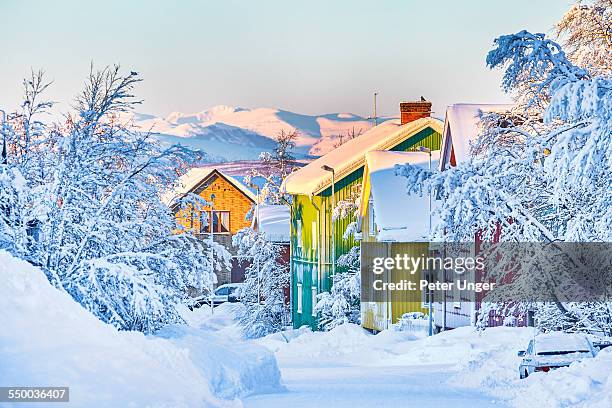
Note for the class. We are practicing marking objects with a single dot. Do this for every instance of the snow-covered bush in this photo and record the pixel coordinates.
(412, 322)
(342, 304)
(266, 278)
(104, 235)
(13, 221)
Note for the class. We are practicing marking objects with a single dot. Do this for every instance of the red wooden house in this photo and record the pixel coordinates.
(461, 308)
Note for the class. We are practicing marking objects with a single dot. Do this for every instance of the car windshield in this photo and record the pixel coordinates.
(222, 291)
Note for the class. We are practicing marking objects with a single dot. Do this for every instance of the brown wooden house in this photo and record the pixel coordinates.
(231, 203)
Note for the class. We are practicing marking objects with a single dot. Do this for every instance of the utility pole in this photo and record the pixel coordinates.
(3, 130)
(375, 118)
(430, 303)
(212, 254)
(333, 204)
(258, 220)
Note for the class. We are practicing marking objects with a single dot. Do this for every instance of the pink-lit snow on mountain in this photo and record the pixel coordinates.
(244, 127)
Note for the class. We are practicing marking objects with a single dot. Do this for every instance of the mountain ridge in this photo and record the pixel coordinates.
(237, 133)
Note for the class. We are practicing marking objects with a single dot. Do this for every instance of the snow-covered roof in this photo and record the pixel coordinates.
(398, 216)
(461, 128)
(274, 221)
(190, 180)
(345, 159)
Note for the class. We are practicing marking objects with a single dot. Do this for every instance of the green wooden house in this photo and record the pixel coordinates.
(314, 246)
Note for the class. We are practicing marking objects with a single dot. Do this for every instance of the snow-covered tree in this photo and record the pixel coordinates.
(105, 235)
(263, 294)
(276, 165)
(342, 304)
(342, 138)
(13, 220)
(585, 32)
(348, 208)
(541, 171)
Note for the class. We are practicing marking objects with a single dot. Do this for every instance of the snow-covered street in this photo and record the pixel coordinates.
(328, 384)
(208, 362)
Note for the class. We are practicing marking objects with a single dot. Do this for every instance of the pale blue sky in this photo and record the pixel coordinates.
(309, 56)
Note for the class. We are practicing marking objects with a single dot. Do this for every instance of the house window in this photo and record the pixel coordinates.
(313, 293)
(299, 298)
(219, 221)
(371, 221)
(298, 234)
(313, 235)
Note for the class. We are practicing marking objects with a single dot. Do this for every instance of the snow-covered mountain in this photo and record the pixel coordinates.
(234, 133)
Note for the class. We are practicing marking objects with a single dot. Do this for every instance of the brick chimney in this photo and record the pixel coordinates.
(410, 111)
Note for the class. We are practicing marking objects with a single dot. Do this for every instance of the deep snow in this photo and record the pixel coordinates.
(463, 367)
(47, 339)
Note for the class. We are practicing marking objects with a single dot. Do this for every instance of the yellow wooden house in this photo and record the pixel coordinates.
(399, 223)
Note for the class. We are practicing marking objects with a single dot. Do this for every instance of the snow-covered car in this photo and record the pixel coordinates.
(227, 293)
(550, 351)
(224, 293)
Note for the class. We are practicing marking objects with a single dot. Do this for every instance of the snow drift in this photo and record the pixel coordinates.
(47, 339)
(492, 365)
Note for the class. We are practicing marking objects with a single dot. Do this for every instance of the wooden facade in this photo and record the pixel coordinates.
(231, 204)
(311, 223)
(390, 306)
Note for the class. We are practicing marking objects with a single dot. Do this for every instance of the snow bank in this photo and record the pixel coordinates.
(584, 384)
(348, 344)
(492, 365)
(48, 339)
(343, 339)
(232, 369)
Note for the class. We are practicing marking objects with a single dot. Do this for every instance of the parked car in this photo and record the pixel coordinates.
(227, 293)
(224, 293)
(553, 350)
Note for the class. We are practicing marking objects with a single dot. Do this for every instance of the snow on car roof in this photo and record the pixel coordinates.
(274, 221)
(190, 180)
(461, 128)
(399, 217)
(312, 179)
(560, 342)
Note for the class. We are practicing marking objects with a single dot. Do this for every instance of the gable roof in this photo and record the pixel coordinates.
(350, 156)
(461, 129)
(191, 180)
(399, 216)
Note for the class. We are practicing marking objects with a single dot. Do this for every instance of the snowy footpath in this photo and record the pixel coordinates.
(47, 339)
